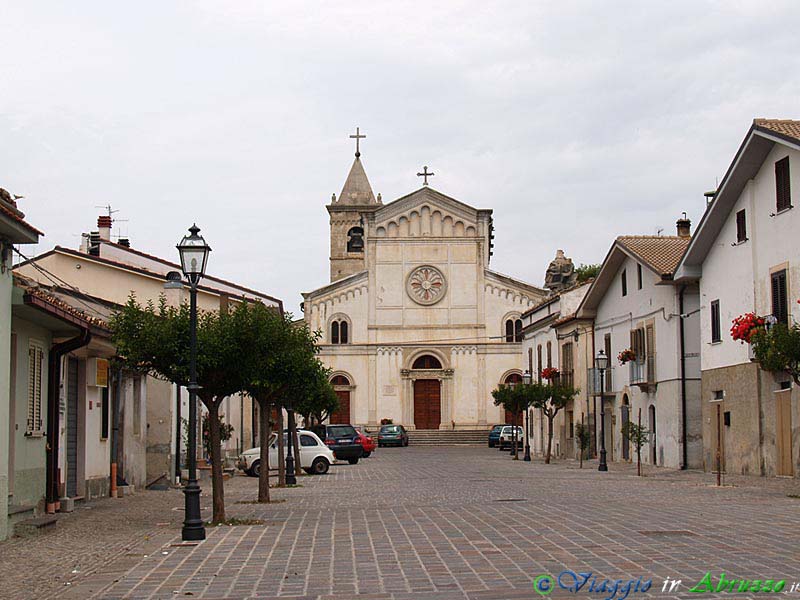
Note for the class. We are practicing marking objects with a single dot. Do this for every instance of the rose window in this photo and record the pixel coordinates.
(426, 285)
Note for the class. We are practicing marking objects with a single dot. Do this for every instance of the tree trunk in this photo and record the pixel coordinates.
(580, 442)
(263, 437)
(281, 450)
(549, 438)
(218, 491)
(298, 469)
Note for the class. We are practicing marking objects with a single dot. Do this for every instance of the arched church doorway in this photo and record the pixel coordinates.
(341, 386)
(512, 378)
(427, 395)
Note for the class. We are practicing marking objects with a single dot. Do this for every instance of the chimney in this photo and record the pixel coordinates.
(124, 242)
(173, 289)
(684, 226)
(104, 227)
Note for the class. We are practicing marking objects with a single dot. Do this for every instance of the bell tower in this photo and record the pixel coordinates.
(348, 243)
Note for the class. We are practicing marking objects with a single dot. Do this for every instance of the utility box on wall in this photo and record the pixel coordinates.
(97, 372)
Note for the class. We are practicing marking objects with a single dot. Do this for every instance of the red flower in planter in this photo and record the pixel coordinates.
(626, 356)
(550, 373)
(744, 326)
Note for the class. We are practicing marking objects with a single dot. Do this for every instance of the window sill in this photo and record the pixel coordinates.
(740, 242)
(782, 211)
(716, 343)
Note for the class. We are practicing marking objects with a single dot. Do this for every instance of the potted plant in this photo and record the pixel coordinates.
(744, 326)
(626, 356)
(550, 373)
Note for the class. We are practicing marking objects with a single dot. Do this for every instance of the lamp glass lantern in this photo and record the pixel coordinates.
(601, 361)
(194, 255)
(526, 378)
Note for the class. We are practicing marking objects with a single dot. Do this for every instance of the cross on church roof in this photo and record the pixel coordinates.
(425, 174)
(357, 137)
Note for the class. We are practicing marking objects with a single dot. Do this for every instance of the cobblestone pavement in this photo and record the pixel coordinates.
(424, 524)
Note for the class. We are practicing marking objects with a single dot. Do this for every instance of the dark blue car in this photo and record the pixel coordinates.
(494, 435)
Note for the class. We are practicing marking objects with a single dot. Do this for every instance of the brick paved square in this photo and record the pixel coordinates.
(447, 523)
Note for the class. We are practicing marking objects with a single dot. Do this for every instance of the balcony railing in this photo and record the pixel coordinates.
(643, 372)
(593, 381)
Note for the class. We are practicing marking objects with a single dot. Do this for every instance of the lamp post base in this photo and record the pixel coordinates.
(603, 465)
(193, 528)
(291, 478)
(527, 454)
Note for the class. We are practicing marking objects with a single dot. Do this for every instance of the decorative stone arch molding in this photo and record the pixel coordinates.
(423, 221)
(412, 356)
(507, 374)
(347, 388)
(341, 318)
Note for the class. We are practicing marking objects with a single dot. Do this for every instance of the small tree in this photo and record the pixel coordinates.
(638, 435)
(586, 272)
(551, 399)
(514, 400)
(777, 349)
(584, 437)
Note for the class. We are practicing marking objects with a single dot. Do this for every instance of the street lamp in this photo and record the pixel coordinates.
(291, 479)
(526, 380)
(194, 255)
(601, 364)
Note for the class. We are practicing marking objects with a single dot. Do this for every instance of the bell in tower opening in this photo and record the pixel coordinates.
(355, 240)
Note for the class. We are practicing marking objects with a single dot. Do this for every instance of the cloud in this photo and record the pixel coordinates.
(576, 122)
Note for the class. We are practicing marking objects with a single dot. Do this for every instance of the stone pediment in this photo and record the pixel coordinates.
(427, 213)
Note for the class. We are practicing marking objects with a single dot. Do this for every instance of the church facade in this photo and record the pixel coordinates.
(416, 327)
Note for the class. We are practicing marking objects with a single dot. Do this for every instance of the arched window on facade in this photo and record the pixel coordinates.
(340, 380)
(340, 333)
(549, 354)
(539, 363)
(513, 330)
(355, 240)
(426, 361)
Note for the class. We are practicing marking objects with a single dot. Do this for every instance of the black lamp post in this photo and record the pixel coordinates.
(194, 256)
(601, 364)
(526, 380)
(291, 479)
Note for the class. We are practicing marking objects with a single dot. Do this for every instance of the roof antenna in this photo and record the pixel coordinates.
(659, 231)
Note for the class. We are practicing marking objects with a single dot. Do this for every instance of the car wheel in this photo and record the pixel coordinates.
(491, 445)
(366, 454)
(307, 470)
(255, 469)
(352, 461)
(319, 466)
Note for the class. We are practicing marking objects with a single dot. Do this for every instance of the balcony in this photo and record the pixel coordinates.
(593, 381)
(643, 373)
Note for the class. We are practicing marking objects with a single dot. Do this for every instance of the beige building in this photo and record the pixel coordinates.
(417, 327)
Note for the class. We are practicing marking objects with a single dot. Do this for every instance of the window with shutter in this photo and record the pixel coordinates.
(716, 330)
(741, 227)
(780, 307)
(104, 412)
(639, 276)
(650, 342)
(539, 363)
(518, 330)
(35, 365)
(343, 333)
(509, 330)
(783, 190)
(567, 369)
(624, 279)
(549, 355)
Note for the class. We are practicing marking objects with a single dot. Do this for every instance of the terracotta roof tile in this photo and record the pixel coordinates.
(784, 127)
(15, 216)
(35, 289)
(661, 253)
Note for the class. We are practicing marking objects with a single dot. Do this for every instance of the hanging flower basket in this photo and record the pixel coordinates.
(626, 356)
(550, 373)
(744, 326)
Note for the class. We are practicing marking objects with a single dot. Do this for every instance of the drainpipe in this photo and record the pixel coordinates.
(57, 352)
(684, 437)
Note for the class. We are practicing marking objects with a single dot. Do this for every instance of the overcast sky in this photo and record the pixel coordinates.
(575, 121)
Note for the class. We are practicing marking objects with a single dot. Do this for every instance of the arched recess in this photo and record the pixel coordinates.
(342, 383)
(511, 327)
(427, 361)
(511, 376)
(435, 352)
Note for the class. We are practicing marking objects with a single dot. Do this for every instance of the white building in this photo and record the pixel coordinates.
(553, 336)
(746, 257)
(635, 304)
(417, 327)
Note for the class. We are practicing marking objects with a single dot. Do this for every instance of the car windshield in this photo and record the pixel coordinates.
(390, 429)
(337, 431)
(497, 428)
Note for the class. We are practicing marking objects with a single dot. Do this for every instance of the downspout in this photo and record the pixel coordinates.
(57, 352)
(684, 437)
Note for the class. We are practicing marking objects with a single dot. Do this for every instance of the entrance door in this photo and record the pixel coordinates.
(427, 404)
(652, 417)
(783, 433)
(342, 416)
(626, 443)
(72, 427)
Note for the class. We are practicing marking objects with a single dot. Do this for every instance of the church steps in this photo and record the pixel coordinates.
(444, 437)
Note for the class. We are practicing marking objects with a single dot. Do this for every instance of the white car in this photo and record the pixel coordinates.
(315, 457)
(507, 437)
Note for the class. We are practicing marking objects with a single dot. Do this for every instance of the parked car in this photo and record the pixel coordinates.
(506, 440)
(367, 443)
(494, 435)
(315, 457)
(392, 435)
(343, 440)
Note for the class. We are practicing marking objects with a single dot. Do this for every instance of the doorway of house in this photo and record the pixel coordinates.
(341, 416)
(783, 433)
(626, 417)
